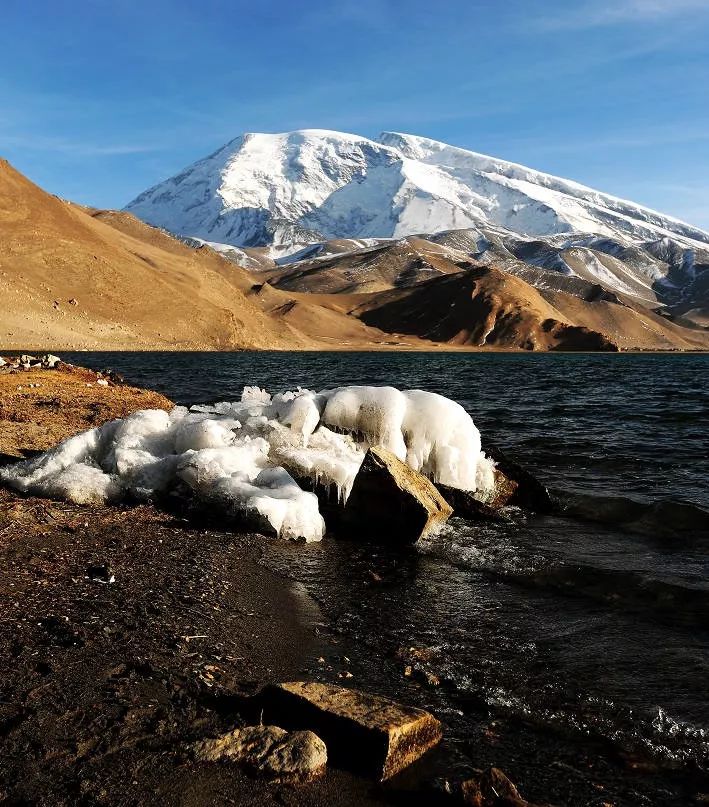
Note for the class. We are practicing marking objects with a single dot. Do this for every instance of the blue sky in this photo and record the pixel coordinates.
(100, 99)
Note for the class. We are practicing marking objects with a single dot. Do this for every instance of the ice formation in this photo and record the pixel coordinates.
(241, 458)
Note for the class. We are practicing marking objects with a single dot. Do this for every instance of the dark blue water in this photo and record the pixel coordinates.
(590, 626)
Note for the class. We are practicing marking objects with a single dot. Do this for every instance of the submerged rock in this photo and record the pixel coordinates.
(270, 751)
(391, 499)
(365, 733)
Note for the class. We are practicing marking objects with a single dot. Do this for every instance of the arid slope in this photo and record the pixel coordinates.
(485, 306)
(70, 278)
(73, 277)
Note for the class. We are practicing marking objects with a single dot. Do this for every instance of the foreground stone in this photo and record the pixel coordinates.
(504, 492)
(282, 756)
(392, 501)
(364, 733)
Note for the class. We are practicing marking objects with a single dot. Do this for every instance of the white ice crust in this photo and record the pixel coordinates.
(240, 458)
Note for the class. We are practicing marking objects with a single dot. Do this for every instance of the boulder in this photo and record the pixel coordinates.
(364, 733)
(270, 751)
(391, 501)
(504, 491)
(50, 361)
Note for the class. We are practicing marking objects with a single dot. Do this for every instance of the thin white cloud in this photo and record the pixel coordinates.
(73, 148)
(602, 13)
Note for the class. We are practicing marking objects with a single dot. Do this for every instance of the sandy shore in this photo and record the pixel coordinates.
(105, 682)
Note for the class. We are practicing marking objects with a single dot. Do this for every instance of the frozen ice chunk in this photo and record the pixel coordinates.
(485, 477)
(196, 434)
(241, 457)
(433, 434)
(297, 410)
(375, 413)
(255, 395)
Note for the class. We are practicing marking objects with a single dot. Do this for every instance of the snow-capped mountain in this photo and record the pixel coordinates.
(313, 185)
(284, 192)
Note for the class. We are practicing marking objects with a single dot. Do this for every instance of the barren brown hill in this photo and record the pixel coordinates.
(327, 318)
(391, 264)
(72, 278)
(485, 306)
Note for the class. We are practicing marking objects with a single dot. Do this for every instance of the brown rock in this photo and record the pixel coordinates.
(476, 506)
(268, 750)
(530, 493)
(365, 733)
(492, 788)
(391, 501)
(415, 653)
(505, 489)
(465, 505)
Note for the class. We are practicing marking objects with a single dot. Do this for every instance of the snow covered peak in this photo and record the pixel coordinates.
(313, 185)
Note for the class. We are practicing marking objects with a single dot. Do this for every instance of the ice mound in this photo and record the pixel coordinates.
(240, 458)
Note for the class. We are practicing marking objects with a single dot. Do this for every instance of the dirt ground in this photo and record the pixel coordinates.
(38, 407)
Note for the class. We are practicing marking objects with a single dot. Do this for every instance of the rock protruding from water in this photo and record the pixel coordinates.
(270, 751)
(466, 505)
(492, 788)
(365, 733)
(504, 491)
(530, 493)
(391, 501)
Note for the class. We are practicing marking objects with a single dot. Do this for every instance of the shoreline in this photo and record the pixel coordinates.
(106, 682)
(338, 347)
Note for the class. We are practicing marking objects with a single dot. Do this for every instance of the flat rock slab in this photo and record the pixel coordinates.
(391, 501)
(365, 733)
(279, 755)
